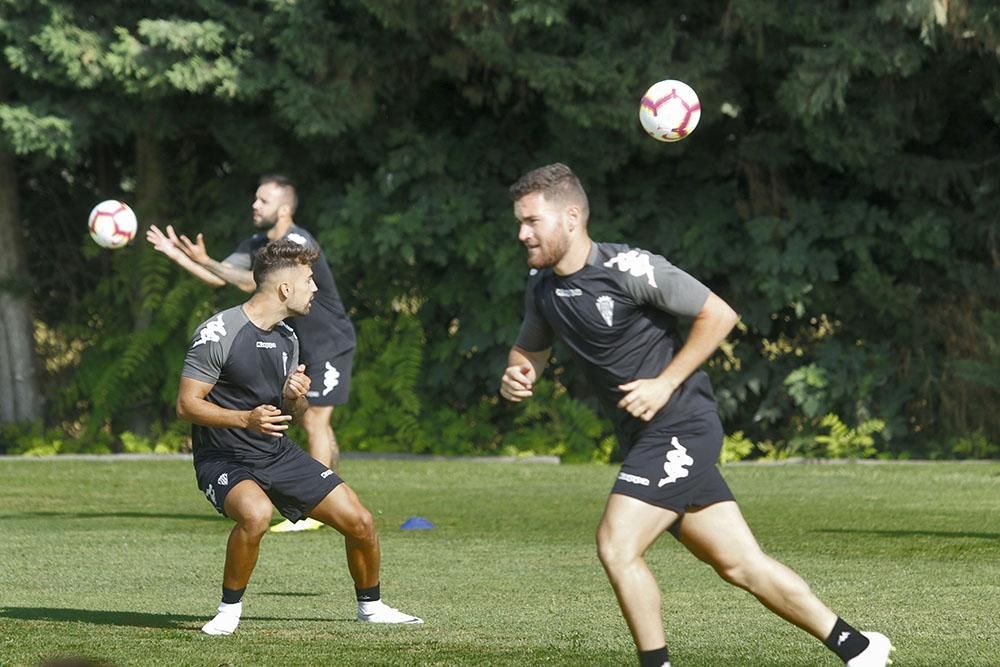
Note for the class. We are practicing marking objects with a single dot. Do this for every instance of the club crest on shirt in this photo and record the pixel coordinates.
(213, 331)
(606, 307)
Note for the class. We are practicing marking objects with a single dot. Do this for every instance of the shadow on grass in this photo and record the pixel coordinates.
(107, 515)
(136, 619)
(913, 533)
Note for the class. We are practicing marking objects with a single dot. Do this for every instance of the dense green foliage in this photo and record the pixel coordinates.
(840, 193)
(120, 561)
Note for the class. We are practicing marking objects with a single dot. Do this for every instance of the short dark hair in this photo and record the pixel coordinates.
(281, 254)
(555, 181)
(286, 185)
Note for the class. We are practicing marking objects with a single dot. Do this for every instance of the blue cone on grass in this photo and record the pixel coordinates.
(416, 523)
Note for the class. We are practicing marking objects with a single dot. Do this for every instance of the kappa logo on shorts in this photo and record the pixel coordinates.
(677, 459)
(633, 479)
(331, 378)
(223, 479)
(210, 494)
(326, 473)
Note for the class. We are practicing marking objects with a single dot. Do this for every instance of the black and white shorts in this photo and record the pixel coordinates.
(675, 467)
(329, 377)
(294, 481)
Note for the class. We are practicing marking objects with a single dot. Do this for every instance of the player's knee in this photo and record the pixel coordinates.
(743, 572)
(254, 519)
(612, 553)
(361, 525)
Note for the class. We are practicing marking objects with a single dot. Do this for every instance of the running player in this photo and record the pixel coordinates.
(613, 306)
(241, 385)
(326, 334)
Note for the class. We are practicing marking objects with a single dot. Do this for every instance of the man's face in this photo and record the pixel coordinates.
(267, 200)
(302, 289)
(542, 229)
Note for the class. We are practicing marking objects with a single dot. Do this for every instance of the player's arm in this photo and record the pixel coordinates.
(193, 406)
(228, 273)
(710, 327)
(530, 354)
(523, 369)
(238, 276)
(676, 292)
(165, 243)
(294, 393)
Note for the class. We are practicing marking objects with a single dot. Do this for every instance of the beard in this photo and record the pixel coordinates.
(547, 255)
(265, 223)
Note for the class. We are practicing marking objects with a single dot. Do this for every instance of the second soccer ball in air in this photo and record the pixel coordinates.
(112, 224)
(669, 110)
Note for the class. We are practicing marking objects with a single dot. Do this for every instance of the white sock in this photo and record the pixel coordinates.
(236, 608)
(368, 606)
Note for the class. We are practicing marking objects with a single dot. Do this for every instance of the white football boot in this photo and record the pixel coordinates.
(877, 653)
(379, 612)
(225, 621)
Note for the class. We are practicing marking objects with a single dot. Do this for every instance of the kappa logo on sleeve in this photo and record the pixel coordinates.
(634, 262)
(297, 238)
(213, 331)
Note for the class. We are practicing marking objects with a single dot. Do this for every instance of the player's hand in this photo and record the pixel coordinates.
(518, 382)
(297, 384)
(268, 420)
(162, 242)
(644, 398)
(194, 249)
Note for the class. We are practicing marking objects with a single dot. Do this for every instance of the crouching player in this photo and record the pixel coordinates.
(240, 387)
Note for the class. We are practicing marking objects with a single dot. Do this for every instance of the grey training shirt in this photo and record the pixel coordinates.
(616, 314)
(248, 366)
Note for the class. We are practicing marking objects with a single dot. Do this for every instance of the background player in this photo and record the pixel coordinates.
(613, 307)
(326, 334)
(240, 387)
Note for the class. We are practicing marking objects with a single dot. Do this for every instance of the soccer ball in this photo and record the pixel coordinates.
(112, 224)
(669, 110)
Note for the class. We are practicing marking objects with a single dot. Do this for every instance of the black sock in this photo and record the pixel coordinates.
(232, 595)
(654, 658)
(845, 641)
(368, 594)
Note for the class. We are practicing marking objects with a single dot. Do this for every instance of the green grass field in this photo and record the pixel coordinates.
(121, 561)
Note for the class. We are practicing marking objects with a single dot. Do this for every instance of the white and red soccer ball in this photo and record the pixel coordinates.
(670, 110)
(112, 224)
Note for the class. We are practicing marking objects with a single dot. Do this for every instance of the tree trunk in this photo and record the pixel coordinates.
(20, 399)
(150, 204)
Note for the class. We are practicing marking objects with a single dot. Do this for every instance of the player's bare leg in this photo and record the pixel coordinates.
(627, 529)
(719, 535)
(322, 447)
(322, 440)
(342, 510)
(250, 507)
